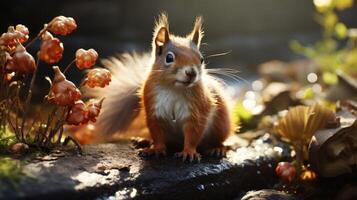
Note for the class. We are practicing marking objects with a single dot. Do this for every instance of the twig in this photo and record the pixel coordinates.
(13, 127)
(32, 124)
(68, 66)
(58, 125)
(68, 139)
(17, 105)
(50, 118)
(42, 138)
(60, 136)
(28, 98)
(43, 30)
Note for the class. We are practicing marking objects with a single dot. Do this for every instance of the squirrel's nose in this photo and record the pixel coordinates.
(191, 73)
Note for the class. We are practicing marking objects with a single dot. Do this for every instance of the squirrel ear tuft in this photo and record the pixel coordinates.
(162, 36)
(161, 32)
(197, 32)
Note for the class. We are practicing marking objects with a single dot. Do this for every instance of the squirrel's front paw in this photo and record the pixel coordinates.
(218, 151)
(157, 151)
(189, 154)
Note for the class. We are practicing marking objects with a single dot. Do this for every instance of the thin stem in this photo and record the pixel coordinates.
(32, 41)
(60, 136)
(33, 125)
(3, 91)
(28, 98)
(43, 30)
(58, 125)
(3, 76)
(68, 139)
(68, 66)
(299, 159)
(41, 136)
(83, 83)
(12, 125)
(49, 120)
(17, 105)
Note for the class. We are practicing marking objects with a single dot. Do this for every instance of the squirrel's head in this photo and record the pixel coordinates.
(178, 60)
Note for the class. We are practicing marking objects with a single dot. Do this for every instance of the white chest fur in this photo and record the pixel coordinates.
(171, 105)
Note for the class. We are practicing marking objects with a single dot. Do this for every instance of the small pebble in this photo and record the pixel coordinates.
(19, 148)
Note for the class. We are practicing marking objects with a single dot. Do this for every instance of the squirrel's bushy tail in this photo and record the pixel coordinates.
(122, 98)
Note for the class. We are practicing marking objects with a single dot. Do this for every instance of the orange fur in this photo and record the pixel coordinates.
(182, 106)
(201, 98)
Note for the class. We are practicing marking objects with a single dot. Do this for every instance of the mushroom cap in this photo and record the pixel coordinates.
(63, 92)
(21, 62)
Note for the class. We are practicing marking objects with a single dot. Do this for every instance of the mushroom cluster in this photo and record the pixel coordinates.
(13, 36)
(16, 65)
(51, 49)
(98, 77)
(21, 61)
(62, 25)
(82, 113)
(85, 58)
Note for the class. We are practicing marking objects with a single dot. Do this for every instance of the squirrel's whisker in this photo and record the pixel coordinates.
(219, 54)
(227, 72)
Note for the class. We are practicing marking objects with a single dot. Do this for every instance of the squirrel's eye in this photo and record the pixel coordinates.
(170, 58)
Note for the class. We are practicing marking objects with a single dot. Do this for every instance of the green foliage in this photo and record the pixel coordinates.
(327, 53)
(241, 114)
(10, 169)
(329, 78)
(6, 138)
(243, 117)
(309, 93)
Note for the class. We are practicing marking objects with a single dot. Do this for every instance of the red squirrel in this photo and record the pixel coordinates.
(171, 88)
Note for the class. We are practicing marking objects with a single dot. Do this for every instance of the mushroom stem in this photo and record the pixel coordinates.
(28, 99)
(68, 66)
(37, 36)
(299, 158)
(42, 31)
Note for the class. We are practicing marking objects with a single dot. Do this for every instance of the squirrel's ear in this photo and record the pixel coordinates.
(162, 37)
(161, 33)
(197, 32)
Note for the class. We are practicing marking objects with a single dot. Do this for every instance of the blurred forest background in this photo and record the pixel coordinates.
(252, 31)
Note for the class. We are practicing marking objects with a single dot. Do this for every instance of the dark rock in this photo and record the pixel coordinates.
(345, 89)
(347, 193)
(332, 151)
(267, 195)
(107, 171)
(140, 143)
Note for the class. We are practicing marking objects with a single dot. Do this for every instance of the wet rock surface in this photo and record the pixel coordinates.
(267, 195)
(115, 171)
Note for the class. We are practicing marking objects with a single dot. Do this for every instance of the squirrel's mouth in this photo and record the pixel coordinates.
(187, 83)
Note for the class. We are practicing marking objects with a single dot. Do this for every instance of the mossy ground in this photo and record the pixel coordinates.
(10, 169)
(6, 139)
